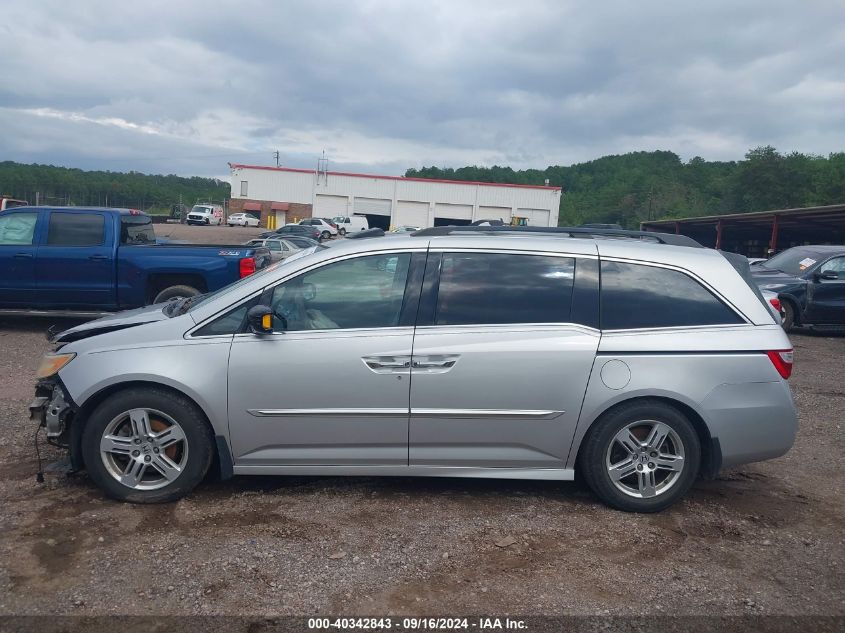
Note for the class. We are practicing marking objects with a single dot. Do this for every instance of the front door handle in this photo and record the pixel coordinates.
(388, 364)
(97, 257)
(23, 255)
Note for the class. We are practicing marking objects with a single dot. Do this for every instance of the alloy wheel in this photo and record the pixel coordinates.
(144, 449)
(645, 459)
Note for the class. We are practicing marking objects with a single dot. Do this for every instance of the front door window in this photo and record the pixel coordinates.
(365, 292)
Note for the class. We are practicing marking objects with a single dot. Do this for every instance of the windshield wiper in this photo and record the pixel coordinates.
(180, 306)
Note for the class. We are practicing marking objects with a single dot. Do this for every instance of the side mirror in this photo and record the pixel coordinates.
(260, 319)
(829, 275)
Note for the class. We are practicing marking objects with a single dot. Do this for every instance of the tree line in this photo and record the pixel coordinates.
(52, 185)
(638, 186)
(626, 189)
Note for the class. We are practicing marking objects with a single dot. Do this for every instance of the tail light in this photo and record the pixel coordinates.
(776, 304)
(782, 360)
(247, 266)
(333, 225)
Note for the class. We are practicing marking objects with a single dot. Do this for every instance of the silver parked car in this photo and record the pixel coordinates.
(636, 362)
(280, 248)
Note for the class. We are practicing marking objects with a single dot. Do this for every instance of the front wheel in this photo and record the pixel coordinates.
(641, 457)
(342, 232)
(147, 445)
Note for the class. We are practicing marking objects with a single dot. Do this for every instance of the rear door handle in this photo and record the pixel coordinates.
(98, 257)
(23, 256)
(435, 364)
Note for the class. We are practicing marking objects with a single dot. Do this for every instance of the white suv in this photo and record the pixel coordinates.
(327, 228)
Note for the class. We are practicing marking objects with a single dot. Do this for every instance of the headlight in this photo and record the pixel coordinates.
(52, 363)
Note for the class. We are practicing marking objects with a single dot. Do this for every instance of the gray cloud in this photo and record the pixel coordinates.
(381, 86)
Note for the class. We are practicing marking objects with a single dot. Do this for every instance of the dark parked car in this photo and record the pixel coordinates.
(294, 229)
(300, 241)
(810, 283)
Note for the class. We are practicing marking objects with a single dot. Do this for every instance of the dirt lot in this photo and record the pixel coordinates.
(763, 539)
(207, 234)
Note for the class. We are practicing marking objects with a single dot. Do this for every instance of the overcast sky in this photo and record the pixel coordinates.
(187, 86)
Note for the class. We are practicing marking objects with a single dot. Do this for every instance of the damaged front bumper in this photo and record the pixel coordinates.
(51, 408)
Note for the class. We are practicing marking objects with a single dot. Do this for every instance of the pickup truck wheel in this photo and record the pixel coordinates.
(147, 445)
(641, 457)
(175, 292)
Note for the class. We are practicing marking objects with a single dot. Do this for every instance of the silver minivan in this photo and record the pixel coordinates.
(637, 362)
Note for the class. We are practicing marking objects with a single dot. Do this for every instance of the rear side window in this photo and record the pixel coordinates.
(493, 288)
(76, 229)
(639, 296)
(137, 229)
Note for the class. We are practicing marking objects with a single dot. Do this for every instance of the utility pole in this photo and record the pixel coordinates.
(276, 155)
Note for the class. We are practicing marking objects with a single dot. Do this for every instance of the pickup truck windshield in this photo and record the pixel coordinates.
(137, 229)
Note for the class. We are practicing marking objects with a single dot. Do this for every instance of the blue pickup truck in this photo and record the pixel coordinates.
(74, 259)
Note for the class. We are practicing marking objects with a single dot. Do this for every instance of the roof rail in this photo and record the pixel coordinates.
(571, 231)
(362, 235)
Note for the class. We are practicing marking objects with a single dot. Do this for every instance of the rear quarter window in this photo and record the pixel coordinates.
(641, 296)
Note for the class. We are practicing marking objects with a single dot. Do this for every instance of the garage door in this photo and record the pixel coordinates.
(372, 206)
(411, 214)
(536, 217)
(330, 206)
(453, 211)
(495, 213)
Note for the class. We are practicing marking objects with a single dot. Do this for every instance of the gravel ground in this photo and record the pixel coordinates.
(762, 539)
(208, 234)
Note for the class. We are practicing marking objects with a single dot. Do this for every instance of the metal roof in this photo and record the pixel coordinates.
(830, 216)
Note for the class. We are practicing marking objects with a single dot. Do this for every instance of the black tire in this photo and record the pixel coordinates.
(788, 316)
(342, 232)
(198, 434)
(594, 451)
(325, 235)
(175, 292)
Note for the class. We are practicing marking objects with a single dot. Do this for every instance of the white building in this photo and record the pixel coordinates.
(282, 194)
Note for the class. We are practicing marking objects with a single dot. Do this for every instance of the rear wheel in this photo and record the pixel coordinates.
(641, 457)
(788, 316)
(175, 292)
(147, 445)
(325, 235)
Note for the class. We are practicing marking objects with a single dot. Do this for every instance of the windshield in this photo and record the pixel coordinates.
(188, 304)
(198, 208)
(794, 261)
